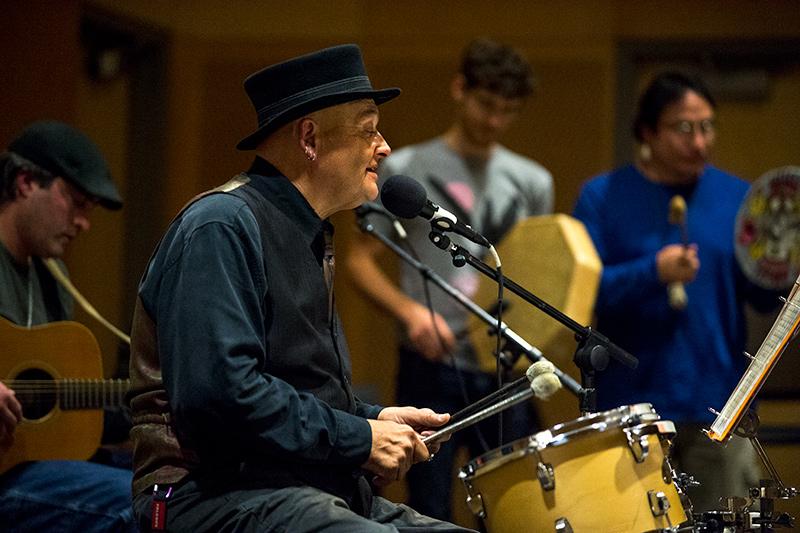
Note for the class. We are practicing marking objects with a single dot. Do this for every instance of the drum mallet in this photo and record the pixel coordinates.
(676, 292)
(540, 381)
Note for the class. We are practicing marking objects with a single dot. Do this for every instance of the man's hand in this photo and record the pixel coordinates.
(397, 441)
(677, 263)
(10, 415)
(430, 335)
(423, 421)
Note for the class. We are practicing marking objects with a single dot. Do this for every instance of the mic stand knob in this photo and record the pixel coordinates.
(439, 239)
(590, 357)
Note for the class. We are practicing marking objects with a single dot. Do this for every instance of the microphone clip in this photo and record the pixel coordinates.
(443, 242)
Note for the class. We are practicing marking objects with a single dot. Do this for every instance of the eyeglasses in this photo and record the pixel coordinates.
(689, 128)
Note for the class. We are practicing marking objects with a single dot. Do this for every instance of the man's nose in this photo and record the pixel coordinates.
(81, 220)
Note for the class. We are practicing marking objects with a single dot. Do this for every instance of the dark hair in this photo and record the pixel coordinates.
(665, 89)
(11, 165)
(498, 68)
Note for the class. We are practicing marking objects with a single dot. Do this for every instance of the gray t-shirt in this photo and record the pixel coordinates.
(30, 292)
(489, 195)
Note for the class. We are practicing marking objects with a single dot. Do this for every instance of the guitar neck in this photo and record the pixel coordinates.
(72, 393)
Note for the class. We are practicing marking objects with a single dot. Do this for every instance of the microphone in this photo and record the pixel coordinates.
(373, 207)
(406, 198)
(544, 381)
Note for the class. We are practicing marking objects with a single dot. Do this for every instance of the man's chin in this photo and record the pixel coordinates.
(693, 173)
(55, 251)
(370, 192)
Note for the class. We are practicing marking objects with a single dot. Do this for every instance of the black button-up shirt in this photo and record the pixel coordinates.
(254, 364)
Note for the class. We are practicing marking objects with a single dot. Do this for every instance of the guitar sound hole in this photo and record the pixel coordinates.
(38, 397)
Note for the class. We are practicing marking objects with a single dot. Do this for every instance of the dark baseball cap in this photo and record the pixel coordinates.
(64, 151)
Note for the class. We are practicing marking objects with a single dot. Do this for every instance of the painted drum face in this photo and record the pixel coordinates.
(767, 237)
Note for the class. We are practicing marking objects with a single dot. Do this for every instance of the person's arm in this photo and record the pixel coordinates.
(372, 281)
(541, 194)
(10, 416)
(625, 284)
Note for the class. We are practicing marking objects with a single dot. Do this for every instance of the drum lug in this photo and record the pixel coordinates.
(546, 475)
(475, 504)
(659, 504)
(563, 525)
(666, 471)
(638, 444)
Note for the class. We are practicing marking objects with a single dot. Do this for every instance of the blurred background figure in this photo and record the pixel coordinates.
(691, 352)
(468, 172)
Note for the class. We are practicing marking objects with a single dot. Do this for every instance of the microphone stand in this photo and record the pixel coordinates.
(520, 345)
(594, 349)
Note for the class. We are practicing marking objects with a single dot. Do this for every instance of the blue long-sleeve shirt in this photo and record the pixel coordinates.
(692, 359)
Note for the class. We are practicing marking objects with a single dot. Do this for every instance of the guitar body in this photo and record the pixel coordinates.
(50, 352)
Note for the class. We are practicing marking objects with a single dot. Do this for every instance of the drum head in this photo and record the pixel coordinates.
(554, 258)
(561, 434)
(767, 239)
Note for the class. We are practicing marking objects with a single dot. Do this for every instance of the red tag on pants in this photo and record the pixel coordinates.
(159, 520)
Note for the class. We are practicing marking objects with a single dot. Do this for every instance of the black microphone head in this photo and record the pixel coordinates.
(403, 196)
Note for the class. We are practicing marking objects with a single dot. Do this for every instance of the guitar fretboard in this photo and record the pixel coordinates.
(71, 393)
(784, 327)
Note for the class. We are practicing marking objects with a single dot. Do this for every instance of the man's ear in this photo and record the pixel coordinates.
(458, 87)
(307, 131)
(25, 183)
(647, 134)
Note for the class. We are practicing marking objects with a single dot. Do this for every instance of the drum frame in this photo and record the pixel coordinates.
(638, 422)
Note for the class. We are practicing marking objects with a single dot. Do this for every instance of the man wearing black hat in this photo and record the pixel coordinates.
(244, 414)
(52, 176)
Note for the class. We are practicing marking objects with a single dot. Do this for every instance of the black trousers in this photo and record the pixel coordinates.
(203, 507)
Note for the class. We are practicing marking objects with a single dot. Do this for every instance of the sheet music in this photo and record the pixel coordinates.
(783, 329)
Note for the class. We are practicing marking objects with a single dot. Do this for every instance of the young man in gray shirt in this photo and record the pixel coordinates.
(488, 186)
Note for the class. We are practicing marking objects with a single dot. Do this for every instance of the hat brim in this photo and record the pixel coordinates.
(252, 141)
(105, 194)
(110, 204)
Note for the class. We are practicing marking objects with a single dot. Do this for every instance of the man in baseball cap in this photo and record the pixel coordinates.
(52, 176)
(65, 152)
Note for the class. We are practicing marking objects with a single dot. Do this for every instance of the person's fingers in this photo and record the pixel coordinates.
(420, 452)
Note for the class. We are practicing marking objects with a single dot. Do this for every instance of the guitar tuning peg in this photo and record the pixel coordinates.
(714, 411)
(747, 354)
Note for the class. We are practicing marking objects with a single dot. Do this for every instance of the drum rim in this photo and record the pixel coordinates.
(563, 433)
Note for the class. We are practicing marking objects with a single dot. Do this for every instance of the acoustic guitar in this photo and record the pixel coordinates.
(56, 372)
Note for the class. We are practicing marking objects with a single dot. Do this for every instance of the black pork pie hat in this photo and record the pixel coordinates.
(64, 151)
(286, 91)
